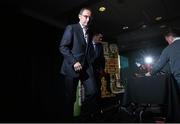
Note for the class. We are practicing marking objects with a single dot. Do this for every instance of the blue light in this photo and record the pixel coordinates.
(148, 60)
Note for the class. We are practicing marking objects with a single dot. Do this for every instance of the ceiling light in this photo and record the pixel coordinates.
(158, 18)
(102, 9)
(125, 27)
(162, 26)
(144, 26)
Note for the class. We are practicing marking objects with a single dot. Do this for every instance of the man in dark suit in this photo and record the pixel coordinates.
(77, 64)
(99, 62)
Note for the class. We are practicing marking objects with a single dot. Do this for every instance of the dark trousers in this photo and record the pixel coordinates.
(89, 104)
(98, 82)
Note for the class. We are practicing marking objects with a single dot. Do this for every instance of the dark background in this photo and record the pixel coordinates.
(31, 88)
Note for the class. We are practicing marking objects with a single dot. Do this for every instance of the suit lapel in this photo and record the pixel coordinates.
(97, 51)
(80, 30)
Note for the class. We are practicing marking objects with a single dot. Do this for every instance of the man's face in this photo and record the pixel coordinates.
(169, 39)
(98, 38)
(85, 17)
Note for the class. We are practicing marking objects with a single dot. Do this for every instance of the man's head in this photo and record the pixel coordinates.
(97, 38)
(171, 34)
(84, 16)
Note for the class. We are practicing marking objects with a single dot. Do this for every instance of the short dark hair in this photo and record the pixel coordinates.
(172, 32)
(96, 33)
(85, 8)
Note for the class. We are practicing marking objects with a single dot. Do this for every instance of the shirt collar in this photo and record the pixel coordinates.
(176, 38)
(93, 42)
(83, 27)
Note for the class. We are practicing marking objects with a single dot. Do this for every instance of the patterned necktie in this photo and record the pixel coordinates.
(85, 34)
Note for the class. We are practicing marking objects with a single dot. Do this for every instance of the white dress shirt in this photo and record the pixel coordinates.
(85, 32)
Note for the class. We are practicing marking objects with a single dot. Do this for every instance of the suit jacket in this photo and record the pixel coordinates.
(74, 49)
(171, 55)
(99, 60)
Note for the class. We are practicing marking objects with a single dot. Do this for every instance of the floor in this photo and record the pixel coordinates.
(113, 112)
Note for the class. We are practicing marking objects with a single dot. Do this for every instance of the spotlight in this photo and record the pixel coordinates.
(148, 60)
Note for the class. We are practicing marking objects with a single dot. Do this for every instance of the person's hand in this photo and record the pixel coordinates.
(77, 66)
(148, 74)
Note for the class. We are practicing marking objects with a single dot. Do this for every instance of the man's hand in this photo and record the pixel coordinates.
(77, 66)
(148, 74)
